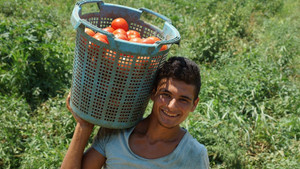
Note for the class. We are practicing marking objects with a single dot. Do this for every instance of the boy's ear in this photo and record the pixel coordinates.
(152, 94)
(195, 104)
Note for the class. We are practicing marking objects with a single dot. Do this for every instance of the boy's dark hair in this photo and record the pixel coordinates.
(180, 68)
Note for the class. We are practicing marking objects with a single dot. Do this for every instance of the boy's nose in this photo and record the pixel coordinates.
(172, 103)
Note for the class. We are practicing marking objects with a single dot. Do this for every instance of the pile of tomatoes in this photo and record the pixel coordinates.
(119, 27)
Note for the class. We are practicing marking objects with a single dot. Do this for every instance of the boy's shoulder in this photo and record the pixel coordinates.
(194, 153)
(193, 147)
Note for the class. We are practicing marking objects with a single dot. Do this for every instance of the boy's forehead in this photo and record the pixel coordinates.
(162, 81)
(165, 81)
(188, 89)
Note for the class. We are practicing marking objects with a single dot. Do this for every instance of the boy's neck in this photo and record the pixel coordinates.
(156, 132)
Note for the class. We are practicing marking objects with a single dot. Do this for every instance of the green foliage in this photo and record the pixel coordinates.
(34, 63)
(33, 141)
(13, 119)
(225, 24)
(239, 102)
(50, 130)
(248, 52)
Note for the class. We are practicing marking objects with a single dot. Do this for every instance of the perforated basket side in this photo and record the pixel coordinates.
(110, 88)
(111, 83)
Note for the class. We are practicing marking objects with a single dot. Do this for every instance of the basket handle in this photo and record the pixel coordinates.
(156, 14)
(89, 25)
(89, 1)
(176, 39)
(76, 21)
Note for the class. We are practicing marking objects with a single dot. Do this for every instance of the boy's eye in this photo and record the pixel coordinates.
(184, 100)
(166, 95)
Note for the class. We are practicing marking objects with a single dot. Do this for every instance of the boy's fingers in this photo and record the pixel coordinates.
(68, 103)
(77, 118)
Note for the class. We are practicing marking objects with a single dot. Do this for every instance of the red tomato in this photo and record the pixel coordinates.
(121, 36)
(134, 33)
(148, 41)
(164, 47)
(98, 34)
(119, 31)
(120, 23)
(89, 31)
(109, 29)
(153, 38)
(136, 40)
(132, 37)
(101, 38)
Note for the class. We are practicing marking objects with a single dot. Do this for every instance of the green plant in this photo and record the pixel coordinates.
(248, 114)
(33, 62)
(14, 113)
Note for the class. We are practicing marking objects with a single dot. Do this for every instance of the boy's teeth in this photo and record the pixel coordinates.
(172, 115)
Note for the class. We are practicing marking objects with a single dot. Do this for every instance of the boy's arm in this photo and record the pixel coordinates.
(75, 157)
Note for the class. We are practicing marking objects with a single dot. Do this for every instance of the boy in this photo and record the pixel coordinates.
(157, 141)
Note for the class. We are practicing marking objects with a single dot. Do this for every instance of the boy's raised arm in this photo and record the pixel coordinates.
(75, 158)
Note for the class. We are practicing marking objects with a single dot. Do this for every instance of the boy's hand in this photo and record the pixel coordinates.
(79, 120)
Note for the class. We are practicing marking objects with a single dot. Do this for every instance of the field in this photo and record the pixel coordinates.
(248, 51)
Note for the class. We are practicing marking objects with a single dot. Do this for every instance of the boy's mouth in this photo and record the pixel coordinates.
(170, 114)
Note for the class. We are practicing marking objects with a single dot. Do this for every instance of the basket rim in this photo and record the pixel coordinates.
(169, 29)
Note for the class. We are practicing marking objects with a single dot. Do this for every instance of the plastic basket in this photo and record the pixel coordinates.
(111, 83)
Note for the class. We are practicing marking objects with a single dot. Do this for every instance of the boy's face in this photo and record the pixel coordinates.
(173, 100)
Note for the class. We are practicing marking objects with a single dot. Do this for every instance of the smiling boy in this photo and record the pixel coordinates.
(157, 141)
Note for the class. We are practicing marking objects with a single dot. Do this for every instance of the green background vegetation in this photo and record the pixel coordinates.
(248, 51)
